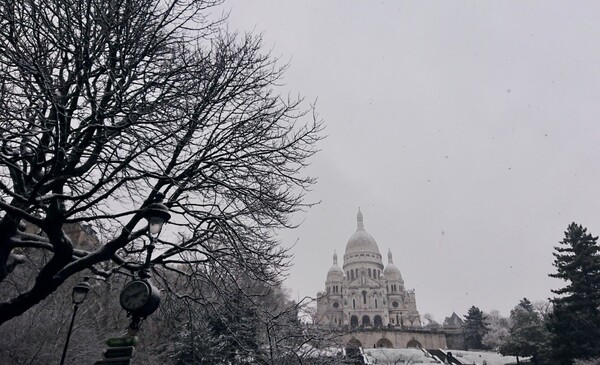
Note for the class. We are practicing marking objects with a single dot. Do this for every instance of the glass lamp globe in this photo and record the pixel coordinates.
(80, 291)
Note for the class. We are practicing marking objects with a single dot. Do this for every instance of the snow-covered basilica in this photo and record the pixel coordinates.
(363, 292)
(370, 303)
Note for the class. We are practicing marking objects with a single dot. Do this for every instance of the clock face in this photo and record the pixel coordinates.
(135, 295)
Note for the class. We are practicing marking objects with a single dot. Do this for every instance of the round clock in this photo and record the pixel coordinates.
(140, 298)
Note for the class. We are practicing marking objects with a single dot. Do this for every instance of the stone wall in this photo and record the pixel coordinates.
(371, 338)
(455, 339)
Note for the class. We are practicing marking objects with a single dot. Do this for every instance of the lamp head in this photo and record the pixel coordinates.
(157, 214)
(80, 291)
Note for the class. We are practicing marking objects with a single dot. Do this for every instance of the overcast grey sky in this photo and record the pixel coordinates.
(467, 132)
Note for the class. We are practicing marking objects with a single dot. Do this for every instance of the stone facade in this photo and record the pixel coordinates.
(363, 293)
(82, 235)
(370, 300)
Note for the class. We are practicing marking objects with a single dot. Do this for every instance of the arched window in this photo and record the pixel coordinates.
(375, 302)
(354, 303)
(384, 342)
(377, 321)
(413, 344)
(364, 294)
(366, 321)
(353, 321)
(369, 272)
(353, 347)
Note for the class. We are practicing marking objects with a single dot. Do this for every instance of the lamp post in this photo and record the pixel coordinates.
(139, 297)
(79, 294)
(137, 306)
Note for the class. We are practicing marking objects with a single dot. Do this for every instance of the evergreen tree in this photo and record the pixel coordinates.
(527, 305)
(475, 328)
(528, 335)
(575, 321)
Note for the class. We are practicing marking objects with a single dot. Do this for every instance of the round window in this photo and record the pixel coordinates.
(395, 304)
(336, 305)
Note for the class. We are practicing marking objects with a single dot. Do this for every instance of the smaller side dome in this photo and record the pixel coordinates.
(335, 272)
(391, 271)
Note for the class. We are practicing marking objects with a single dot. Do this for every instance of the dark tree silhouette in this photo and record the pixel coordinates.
(106, 104)
(528, 335)
(475, 328)
(575, 320)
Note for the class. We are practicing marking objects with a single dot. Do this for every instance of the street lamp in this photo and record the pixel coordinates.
(79, 294)
(157, 214)
(140, 306)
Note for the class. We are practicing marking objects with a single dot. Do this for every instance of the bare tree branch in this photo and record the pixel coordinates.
(105, 104)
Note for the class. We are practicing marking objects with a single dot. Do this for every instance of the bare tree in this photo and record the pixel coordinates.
(431, 322)
(498, 330)
(106, 104)
(236, 320)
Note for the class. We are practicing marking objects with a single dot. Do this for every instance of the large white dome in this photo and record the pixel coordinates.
(361, 241)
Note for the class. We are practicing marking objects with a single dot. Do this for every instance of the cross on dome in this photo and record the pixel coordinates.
(359, 220)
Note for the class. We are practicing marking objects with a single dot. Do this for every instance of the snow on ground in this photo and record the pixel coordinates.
(476, 357)
(312, 352)
(386, 356)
